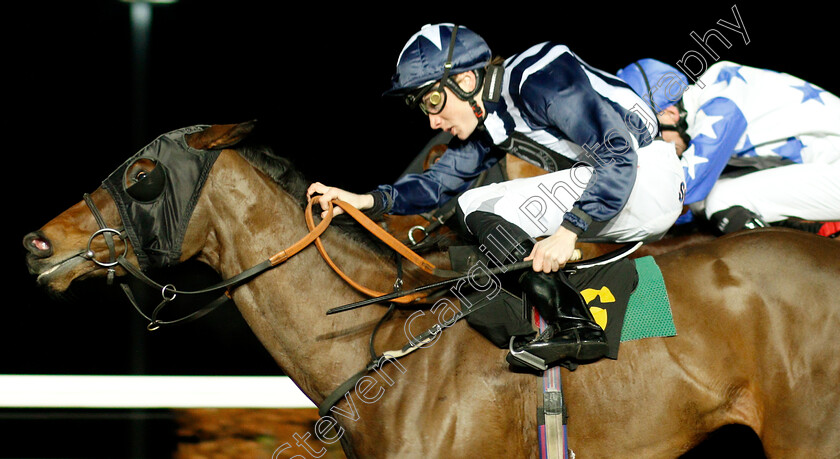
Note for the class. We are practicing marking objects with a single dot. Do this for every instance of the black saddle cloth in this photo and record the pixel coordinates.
(606, 290)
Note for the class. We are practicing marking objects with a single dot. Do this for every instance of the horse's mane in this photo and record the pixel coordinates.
(283, 171)
(278, 168)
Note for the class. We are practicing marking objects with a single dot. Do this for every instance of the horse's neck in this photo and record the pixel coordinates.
(286, 306)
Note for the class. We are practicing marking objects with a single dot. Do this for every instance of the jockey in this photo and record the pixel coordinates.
(754, 119)
(608, 178)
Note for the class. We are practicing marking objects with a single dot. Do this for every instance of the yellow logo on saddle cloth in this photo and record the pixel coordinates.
(605, 296)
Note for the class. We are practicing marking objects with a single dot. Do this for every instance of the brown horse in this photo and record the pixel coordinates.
(756, 315)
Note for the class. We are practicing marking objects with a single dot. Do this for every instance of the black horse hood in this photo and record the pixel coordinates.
(157, 210)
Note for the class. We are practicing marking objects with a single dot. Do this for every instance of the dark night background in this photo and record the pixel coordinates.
(312, 75)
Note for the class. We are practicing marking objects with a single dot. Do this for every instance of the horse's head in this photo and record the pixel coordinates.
(141, 212)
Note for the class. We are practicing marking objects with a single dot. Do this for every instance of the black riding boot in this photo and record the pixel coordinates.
(572, 333)
(736, 218)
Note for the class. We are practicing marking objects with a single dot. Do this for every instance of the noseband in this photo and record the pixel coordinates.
(108, 234)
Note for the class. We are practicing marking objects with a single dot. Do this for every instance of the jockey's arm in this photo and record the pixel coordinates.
(450, 175)
(413, 194)
(587, 119)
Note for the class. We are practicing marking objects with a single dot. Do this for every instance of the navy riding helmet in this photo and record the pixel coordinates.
(436, 53)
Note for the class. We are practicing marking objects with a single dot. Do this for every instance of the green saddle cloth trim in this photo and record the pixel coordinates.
(649, 311)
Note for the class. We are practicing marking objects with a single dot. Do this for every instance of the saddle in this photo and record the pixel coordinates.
(504, 316)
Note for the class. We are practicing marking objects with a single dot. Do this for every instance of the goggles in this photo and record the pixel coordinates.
(432, 99)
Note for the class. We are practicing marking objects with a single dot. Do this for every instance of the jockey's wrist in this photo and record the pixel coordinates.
(365, 201)
(380, 204)
(576, 221)
(565, 233)
(571, 227)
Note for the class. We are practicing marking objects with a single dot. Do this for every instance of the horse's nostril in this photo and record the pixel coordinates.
(37, 244)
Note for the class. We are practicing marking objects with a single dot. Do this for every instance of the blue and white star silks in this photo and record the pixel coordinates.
(765, 113)
(747, 148)
(728, 73)
(769, 119)
(791, 149)
(718, 127)
(690, 161)
(810, 92)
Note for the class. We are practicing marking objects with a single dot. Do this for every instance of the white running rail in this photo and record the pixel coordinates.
(97, 391)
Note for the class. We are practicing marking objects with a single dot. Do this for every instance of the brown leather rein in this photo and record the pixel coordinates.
(382, 235)
(169, 292)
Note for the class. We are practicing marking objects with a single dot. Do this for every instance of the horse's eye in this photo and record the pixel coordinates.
(145, 180)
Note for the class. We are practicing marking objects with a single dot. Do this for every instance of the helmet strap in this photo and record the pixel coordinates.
(477, 110)
(681, 127)
(469, 96)
(447, 66)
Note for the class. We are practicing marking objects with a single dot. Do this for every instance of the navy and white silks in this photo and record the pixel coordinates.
(623, 176)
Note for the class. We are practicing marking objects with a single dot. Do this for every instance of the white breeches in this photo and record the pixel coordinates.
(538, 204)
(810, 191)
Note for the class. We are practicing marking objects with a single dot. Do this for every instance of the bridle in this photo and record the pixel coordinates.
(168, 292)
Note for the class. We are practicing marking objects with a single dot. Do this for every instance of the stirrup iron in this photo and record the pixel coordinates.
(527, 358)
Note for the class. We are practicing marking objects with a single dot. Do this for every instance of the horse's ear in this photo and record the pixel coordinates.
(220, 135)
